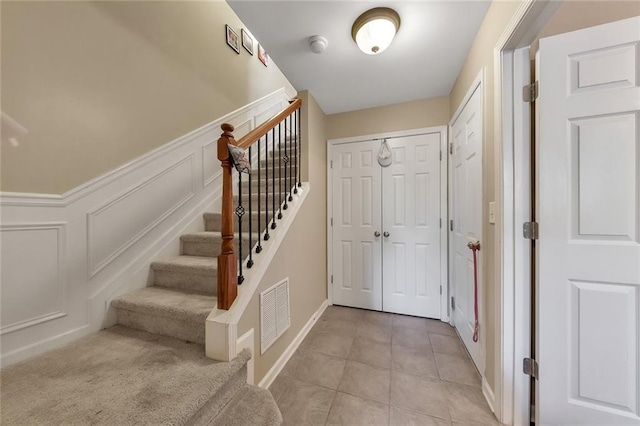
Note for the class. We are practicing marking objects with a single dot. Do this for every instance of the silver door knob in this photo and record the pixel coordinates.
(376, 234)
(386, 234)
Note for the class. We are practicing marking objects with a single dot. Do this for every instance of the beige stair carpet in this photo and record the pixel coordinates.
(121, 376)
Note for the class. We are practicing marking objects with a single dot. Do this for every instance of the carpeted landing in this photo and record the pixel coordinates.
(122, 376)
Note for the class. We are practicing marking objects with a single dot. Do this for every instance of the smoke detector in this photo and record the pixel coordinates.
(318, 44)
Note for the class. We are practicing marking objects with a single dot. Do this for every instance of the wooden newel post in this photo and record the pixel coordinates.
(227, 260)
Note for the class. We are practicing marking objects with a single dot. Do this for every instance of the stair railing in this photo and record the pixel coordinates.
(276, 141)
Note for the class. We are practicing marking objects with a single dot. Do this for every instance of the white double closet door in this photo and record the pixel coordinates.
(386, 226)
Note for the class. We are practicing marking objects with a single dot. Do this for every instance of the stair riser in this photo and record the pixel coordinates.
(196, 281)
(279, 160)
(211, 249)
(262, 184)
(171, 327)
(215, 224)
(278, 172)
(263, 201)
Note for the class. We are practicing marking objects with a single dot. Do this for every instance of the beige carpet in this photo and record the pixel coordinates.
(121, 376)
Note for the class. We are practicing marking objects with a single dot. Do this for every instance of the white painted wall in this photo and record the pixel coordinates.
(65, 257)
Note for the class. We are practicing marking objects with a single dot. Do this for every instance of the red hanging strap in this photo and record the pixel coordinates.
(475, 247)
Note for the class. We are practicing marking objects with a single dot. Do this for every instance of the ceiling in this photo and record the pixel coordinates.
(422, 62)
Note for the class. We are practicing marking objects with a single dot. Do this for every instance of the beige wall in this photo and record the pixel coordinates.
(98, 84)
(575, 15)
(481, 56)
(302, 255)
(409, 115)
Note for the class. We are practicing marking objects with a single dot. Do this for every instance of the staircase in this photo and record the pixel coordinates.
(151, 367)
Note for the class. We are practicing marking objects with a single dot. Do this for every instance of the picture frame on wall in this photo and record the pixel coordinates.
(232, 39)
(247, 42)
(262, 55)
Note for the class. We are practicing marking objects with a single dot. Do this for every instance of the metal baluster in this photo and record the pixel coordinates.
(259, 246)
(295, 141)
(290, 163)
(240, 212)
(250, 261)
(266, 181)
(300, 142)
(273, 174)
(280, 171)
(286, 162)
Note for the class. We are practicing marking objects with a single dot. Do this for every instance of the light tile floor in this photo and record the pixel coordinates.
(358, 367)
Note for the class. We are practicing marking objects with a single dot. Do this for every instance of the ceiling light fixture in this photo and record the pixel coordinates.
(375, 29)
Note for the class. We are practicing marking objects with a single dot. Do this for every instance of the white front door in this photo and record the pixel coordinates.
(356, 250)
(400, 272)
(411, 219)
(588, 299)
(466, 205)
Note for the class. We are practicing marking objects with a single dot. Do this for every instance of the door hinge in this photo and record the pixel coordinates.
(331, 279)
(530, 367)
(332, 164)
(331, 221)
(453, 303)
(451, 148)
(441, 290)
(441, 155)
(530, 92)
(451, 225)
(440, 223)
(530, 230)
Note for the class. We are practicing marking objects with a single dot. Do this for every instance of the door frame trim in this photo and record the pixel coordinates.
(444, 207)
(512, 251)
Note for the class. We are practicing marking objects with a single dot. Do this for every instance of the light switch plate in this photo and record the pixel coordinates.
(492, 212)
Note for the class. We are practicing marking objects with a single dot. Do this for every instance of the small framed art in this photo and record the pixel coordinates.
(247, 42)
(232, 39)
(262, 55)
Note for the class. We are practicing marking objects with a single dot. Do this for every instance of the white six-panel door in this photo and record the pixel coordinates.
(411, 217)
(406, 206)
(466, 212)
(356, 251)
(589, 247)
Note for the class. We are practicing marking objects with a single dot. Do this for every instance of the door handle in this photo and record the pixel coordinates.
(386, 234)
(376, 234)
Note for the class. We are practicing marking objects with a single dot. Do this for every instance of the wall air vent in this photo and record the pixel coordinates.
(275, 317)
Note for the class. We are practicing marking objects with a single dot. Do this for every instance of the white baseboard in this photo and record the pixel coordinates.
(288, 353)
(488, 394)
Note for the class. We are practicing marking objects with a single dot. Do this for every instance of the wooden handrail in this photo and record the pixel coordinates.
(250, 138)
(227, 273)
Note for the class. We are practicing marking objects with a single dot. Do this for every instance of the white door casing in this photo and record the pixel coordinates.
(589, 248)
(466, 214)
(356, 251)
(411, 217)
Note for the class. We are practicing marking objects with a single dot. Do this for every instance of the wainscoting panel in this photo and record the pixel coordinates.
(119, 223)
(33, 274)
(66, 256)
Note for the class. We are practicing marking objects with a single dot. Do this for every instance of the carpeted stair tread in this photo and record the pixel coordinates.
(119, 376)
(165, 302)
(252, 406)
(187, 264)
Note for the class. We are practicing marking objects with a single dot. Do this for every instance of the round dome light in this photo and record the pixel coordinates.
(375, 29)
